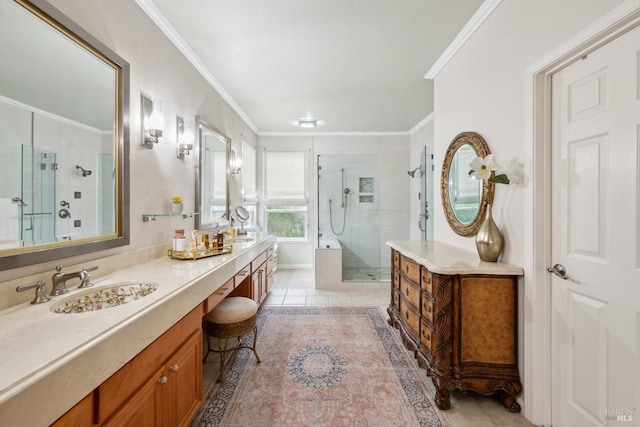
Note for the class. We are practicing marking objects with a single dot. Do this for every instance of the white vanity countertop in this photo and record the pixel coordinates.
(446, 259)
(50, 361)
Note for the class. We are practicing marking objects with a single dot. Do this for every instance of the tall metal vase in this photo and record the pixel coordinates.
(489, 240)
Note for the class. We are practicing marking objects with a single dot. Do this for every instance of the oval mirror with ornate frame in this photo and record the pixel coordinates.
(464, 199)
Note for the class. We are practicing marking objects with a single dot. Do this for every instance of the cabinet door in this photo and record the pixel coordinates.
(144, 408)
(184, 373)
(263, 282)
(255, 281)
(79, 415)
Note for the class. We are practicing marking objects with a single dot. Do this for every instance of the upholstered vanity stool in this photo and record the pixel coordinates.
(234, 317)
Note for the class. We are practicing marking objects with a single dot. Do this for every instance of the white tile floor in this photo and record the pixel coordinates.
(296, 287)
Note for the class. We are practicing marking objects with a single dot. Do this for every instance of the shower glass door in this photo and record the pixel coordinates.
(38, 221)
(349, 212)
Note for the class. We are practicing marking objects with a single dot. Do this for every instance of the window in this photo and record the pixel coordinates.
(249, 175)
(286, 195)
(249, 183)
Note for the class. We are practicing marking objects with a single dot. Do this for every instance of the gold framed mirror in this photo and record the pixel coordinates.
(214, 172)
(464, 199)
(63, 139)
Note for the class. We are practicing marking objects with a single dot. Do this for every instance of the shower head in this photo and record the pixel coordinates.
(19, 200)
(85, 172)
(413, 172)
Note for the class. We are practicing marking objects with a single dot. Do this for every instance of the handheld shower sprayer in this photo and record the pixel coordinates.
(85, 172)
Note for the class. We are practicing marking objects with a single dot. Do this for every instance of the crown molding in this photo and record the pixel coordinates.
(467, 31)
(165, 26)
(422, 123)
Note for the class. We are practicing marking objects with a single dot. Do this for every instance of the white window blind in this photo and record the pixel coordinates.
(249, 175)
(285, 176)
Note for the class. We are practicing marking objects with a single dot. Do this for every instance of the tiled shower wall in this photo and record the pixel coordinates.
(374, 215)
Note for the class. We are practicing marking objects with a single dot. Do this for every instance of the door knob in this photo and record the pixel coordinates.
(559, 270)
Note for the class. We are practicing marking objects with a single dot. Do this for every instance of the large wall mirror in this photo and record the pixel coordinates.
(63, 142)
(464, 199)
(212, 188)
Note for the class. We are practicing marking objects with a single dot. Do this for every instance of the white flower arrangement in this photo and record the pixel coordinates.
(482, 169)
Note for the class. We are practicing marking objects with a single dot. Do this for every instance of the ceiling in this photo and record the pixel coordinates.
(354, 65)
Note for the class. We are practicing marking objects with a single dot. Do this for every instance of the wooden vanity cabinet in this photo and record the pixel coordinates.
(79, 415)
(162, 386)
(462, 327)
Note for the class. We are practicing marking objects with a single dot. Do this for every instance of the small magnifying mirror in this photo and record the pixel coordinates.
(242, 215)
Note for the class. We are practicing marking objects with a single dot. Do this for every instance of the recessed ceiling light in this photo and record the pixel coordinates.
(307, 123)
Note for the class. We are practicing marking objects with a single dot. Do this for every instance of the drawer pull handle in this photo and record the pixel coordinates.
(162, 379)
(429, 309)
(407, 291)
(174, 368)
(407, 315)
(407, 268)
(428, 337)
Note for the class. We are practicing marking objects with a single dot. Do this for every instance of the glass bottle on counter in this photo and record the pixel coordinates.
(179, 241)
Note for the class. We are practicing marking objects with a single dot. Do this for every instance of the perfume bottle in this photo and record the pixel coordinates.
(179, 241)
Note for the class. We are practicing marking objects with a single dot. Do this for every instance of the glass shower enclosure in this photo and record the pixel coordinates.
(348, 204)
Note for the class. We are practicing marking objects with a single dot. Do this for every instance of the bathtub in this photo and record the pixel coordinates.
(329, 244)
(328, 264)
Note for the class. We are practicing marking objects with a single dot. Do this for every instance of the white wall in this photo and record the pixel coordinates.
(482, 90)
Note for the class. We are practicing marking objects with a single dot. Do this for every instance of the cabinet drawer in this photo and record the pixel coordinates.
(260, 259)
(427, 281)
(410, 269)
(427, 309)
(395, 299)
(215, 298)
(269, 251)
(396, 259)
(410, 292)
(410, 317)
(396, 279)
(241, 275)
(428, 339)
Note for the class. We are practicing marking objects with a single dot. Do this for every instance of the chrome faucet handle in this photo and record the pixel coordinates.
(85, 278)
(41, 291)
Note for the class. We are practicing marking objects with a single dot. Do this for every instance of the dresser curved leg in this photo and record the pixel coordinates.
(508, 396)
(443, 395)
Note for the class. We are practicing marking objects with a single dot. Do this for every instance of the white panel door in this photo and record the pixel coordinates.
(595, 228)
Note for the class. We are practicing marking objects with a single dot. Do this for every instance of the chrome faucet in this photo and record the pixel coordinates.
(59, 279)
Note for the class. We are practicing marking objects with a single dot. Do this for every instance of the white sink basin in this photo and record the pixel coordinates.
(105, 297)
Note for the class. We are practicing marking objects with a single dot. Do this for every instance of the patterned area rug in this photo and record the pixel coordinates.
(333, 366)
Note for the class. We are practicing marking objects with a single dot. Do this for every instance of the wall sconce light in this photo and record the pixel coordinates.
(236, 164)
(152, 120)
(185, 137)
(307, 123)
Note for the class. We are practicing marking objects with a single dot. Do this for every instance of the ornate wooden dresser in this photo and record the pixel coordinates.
(459, 315)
